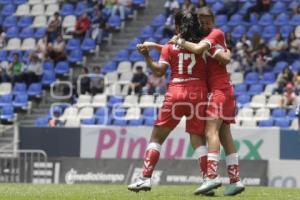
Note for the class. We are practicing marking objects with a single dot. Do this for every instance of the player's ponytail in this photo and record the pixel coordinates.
(190, 28)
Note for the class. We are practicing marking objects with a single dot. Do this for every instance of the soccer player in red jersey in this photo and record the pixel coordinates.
(186, 96)
(221, 108)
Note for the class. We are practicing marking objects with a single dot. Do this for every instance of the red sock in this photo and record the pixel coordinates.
(212, 164)
(203, 165)
(150, 160)
(233, 173)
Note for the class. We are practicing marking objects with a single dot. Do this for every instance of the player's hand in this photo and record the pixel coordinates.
(142, 49)
(174, 39)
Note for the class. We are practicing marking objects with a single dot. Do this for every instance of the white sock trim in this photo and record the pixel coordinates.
(232, 159)
(213, 156)
(200, 152)
(154, 146)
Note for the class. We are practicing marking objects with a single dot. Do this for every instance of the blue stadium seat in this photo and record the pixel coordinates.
(67, 9)
(101, 112)
(285, 31)
(159, 33)
(120, 122)
(25, 21)
(278, 8)
(265, 123)
(132, 44)
(26, 56)
(27, 33)
(115, 22)
(149, 122)
(48, 78)
(73, 44)
(154, 54)
(220, 20)
(291, 114)
(225, 28)
(11, 55)
(254, 29)
(3, 55)
(136, 56)
(40, 32)
(48, 66)
(243, 99)
(238, 32)
(217, 6)
(115, 100)
(266, 20)
(269, 32)
(296, 66)
(12, 32)
(18, 2)
(19, 88)
(62, 68)
(42, 121)
(75, 56)
(282, 19)
(117, 111)
(158, 21)
(106, 120)
(109, 67)
(91, 121)
(136, 122)
(280, 66)
(80, 8)
(139, 3)
(122, 55)
(282, 122)
(268, 78)
(240, 89)
(255, 89)
(35, 90)
(150, 113)
(295, 20)
(164, 41)
(245, 7)
(278, 113)
(147, 32)
(6, 100)
(10, 21)
(88, 45)
(235, 20)
(7, 113)
(21, 101)
(8, 10)
(251, 78)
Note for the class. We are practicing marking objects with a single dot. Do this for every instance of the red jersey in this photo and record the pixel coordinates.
(185, 66)
(217, 75)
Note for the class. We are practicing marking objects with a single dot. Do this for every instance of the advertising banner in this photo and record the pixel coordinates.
(290, 144)
(284, 173)
(168, 172)
(131, 143)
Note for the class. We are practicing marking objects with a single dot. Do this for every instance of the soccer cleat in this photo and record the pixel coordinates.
(234, 189)
(142, 184)
(208, 185)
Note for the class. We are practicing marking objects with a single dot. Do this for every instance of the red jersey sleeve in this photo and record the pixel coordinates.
(165, 55)
(215, 37)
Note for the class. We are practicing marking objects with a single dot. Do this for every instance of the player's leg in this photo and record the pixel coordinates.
(159, 135)
(232, 162)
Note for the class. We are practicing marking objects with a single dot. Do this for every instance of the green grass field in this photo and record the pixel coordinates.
(119, 192)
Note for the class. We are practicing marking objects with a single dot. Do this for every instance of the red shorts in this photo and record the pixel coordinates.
(222, 105)
(188, 101)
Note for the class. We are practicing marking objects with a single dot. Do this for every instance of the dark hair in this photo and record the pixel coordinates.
(86, 70)
(178, 18)
(191, 29)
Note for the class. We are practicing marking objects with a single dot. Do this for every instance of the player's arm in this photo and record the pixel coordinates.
(153, 45)
(197, 48)
(222, 56)
(159, 69)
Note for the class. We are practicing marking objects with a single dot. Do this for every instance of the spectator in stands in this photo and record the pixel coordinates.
(170, 6)
(259, 7)
(277, 45)
(188, 6)
(109, 4)
(287, 76)
(83, 24)
(55, 121)
(3, 72)
(139, 80)
(200, 4)
(289, 96)
(34, 71)
(2, 37)
(42, 48)
(294, 44)
(56, 51)
(243, 49)
(16, 69)
(84, 81)
(120, 5)
(230, 7)
(297, 82)
(156, 85)
(169, 28)
(96, 82)
(261, 59)
(54, 27)
(99, 25)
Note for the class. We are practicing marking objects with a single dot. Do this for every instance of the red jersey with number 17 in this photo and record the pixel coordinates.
(185, 66)
(217, 75)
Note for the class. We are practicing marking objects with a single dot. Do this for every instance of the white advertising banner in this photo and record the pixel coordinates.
(284, 173)
(131, 142)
